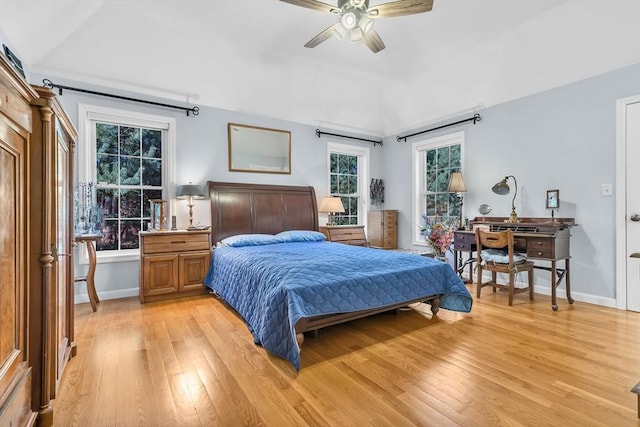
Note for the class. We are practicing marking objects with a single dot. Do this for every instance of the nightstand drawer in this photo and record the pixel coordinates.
(347, 234)
(162, 243)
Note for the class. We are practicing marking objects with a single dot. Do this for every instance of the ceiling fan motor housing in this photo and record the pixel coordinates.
(356, 18)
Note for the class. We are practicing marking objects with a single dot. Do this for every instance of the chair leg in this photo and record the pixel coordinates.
(479, 282)
(531, 284)
(494, 278)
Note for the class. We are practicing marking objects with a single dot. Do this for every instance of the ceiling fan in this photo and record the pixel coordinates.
(356, 18)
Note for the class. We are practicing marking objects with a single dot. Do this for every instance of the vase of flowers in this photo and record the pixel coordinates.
(439, 236)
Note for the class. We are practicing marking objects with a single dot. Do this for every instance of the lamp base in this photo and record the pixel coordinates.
(513, 217)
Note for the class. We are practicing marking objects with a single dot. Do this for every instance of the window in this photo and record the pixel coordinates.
(433, 161)
(348, 173)
(127, 156)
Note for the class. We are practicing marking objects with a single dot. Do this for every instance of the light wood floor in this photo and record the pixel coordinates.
(192, 362)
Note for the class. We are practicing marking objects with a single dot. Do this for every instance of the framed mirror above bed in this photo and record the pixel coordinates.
(258, 149)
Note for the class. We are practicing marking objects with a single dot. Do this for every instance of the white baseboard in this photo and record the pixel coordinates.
(560, 292)
(578, 296)
(83, 297)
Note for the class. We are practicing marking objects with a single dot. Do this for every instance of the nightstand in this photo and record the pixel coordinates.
(173, 264)
(347, 234)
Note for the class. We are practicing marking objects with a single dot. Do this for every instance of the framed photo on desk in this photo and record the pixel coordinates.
(553, 199)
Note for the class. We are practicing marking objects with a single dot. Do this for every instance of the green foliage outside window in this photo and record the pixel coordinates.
(129, 174)
(343, 178)
(441, 206)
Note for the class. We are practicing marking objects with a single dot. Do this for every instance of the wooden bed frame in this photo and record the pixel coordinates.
(257, 208)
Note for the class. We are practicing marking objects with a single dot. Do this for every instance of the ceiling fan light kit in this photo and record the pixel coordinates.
(356, 18)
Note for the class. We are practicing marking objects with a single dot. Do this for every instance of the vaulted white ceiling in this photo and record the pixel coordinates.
(248, 55)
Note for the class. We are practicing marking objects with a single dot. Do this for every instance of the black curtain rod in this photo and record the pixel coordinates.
(195, 110)
(476, 118)
(319, 133)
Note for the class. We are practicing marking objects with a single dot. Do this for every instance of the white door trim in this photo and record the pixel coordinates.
(621, 191)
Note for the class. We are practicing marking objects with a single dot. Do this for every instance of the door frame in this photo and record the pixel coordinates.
(621, 201)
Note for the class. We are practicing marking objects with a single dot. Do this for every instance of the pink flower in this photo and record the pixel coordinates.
(440, 239)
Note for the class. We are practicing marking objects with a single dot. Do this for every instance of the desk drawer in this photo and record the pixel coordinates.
(540, 248)
(520, 244)
(462, 246)
(464, 241)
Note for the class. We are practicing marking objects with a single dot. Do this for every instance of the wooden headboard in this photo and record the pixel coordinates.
(258, 208)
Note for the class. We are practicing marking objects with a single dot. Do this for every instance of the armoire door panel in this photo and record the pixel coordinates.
(12, 308)
(15, 372)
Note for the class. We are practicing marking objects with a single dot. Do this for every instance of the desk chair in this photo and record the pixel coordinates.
(89, 241)
(496, 254)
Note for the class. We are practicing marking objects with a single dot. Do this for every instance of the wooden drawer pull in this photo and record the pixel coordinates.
(179, 242)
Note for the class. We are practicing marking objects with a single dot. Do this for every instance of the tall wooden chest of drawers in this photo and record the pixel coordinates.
(383, 229)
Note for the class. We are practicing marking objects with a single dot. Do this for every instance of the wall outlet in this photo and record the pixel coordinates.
(607, 189)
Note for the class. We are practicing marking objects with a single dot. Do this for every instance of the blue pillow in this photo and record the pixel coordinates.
(249, 240)
(500, 256)
(300, 236)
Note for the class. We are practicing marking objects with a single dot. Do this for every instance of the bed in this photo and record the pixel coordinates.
(277, 271)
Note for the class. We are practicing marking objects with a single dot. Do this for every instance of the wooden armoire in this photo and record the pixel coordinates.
(51, 154)
(37, 144)
(15, 133)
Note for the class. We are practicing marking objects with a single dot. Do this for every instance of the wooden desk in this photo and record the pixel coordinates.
(538, 238)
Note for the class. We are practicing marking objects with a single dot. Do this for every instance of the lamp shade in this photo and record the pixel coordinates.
(456, 183)
(331, 204)
(189, 190)
(501, 187)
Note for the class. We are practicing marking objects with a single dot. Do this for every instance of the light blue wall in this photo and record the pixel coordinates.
(565, 139)
(562, 139)
(202, 156)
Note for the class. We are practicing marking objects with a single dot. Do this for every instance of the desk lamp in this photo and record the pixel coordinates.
(456, 185)
(331, 205)
(502, 188)
(189, 192)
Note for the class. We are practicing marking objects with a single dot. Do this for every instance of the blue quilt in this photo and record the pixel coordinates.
(272, 286)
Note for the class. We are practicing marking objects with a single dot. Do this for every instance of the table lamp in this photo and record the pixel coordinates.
(331, 205)
(502, 188)
(456, 185)
(189, 192)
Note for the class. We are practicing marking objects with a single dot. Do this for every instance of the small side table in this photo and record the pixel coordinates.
(90, 242)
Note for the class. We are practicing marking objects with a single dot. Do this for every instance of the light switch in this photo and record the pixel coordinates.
(607, 189)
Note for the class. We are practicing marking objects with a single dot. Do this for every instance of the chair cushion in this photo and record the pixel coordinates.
(500, 256)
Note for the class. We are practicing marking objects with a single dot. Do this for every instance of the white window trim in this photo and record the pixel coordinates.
(363, 170)
(417, 166)
(87, 155)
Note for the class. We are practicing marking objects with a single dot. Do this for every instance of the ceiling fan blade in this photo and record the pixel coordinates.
(315, 5)
(323, 36)
(399, 8)
(373, 41)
